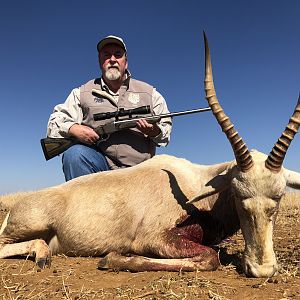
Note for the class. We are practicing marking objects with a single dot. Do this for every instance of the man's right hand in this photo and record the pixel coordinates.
(84, 134)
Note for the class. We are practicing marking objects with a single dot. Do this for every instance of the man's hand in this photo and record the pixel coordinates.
(148, 129)
(84, 134)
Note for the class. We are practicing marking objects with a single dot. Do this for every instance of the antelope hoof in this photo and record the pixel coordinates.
(42, 262)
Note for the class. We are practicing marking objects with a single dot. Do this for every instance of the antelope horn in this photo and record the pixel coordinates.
(276, 156)
(241, 152)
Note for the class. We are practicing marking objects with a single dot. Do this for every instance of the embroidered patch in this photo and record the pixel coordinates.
(134, 98)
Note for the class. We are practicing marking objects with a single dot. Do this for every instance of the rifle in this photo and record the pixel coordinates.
(55, 146)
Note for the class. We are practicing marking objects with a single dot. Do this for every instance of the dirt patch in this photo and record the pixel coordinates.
(78, 278)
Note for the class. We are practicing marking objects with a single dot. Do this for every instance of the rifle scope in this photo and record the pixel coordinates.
(123, 112)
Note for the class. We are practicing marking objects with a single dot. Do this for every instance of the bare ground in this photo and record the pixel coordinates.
(78, 278)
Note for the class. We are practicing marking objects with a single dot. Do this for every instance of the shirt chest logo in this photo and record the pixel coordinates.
(134, 98)
(98, 100)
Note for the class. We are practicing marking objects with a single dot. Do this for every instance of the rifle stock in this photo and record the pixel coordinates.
(55, 146)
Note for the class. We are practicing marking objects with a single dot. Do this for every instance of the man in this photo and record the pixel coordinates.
(116, 89)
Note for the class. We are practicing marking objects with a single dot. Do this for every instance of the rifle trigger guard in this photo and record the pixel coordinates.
(104, 137)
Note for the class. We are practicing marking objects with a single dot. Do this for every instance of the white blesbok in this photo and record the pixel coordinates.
(162, 214)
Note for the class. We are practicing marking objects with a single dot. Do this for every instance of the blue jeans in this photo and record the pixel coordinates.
(81, 160)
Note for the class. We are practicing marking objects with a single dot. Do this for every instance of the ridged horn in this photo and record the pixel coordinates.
(241, 152)
(275, 159)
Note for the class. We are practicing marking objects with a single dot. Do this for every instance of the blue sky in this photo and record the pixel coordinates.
(49, 47)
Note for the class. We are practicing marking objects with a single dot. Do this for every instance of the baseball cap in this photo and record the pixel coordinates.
(111, 39)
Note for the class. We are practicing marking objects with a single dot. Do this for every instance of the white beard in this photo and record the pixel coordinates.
(112, 74)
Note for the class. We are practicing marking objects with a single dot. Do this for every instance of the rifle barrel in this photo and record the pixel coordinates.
(186, 112)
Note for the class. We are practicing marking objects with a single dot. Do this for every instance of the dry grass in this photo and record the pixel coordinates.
(291, 200)
(287, 236)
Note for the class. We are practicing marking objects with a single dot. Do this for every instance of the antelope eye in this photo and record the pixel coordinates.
(270, 211)
(278, 197)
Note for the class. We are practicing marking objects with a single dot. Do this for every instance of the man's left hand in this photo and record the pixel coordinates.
(148, 129)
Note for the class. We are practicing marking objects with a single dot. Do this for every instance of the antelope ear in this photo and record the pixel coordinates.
(292, 179)
(216, 185)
